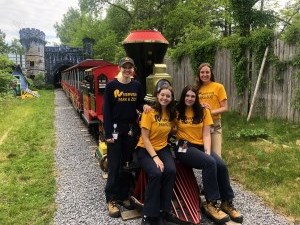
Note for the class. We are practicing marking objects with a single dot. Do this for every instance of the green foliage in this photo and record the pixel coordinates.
(253, 133)
(5, 74)
(242, 12)
(292, 32)
(195, 38)
(38, 82)
(296, 99)
(3, 45)
(70, 28)
(117, 22)
(238, 47)
(16, 47)
(256, 44)
(205, 52)
(296, 59)
(260, 40)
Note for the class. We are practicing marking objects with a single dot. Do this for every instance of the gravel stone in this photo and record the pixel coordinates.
(80, 195)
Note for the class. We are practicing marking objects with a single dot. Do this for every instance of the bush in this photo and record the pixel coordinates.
(5, 74)
(252, 134)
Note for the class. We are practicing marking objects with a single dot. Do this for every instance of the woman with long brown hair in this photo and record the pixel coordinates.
(212, 95)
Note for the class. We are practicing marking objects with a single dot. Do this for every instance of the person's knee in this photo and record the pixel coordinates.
(155, 174)
(210, 162)
(221, 165)
(171, 171)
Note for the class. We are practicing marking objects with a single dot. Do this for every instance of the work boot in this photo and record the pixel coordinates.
(236, 216)
(127, 204)
(212, 210)
(113, 210)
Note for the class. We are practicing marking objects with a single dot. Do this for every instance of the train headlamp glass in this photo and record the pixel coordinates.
(162, 82)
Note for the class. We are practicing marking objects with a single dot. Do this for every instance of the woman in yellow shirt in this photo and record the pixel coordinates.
(194, 150)
(155, 157)
(212, 95)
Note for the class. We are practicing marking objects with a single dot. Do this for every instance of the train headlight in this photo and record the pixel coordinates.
(156, 80)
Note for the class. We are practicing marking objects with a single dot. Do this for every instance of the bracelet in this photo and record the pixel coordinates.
(154, 156)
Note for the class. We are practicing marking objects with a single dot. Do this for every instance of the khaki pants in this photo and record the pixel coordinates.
(216, 137)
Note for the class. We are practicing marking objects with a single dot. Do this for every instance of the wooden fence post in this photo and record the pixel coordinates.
(258, 82)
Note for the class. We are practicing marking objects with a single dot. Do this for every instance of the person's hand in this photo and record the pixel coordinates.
(159, 163)
(205, 105)
(147, 108)
(207, 151)
(110, 140)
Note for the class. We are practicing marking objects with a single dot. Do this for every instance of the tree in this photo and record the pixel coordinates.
(16, 48)
(3, 45)
(247, 17)
(291, 27)
(5, 73)
(69, 29)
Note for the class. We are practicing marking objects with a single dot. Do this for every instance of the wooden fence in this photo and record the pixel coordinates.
(276, 94)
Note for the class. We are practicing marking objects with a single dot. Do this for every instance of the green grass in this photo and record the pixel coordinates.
(264, 156)
(27, 142)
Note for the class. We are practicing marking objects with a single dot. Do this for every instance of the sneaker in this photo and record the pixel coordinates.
(236, 216)
(113, 210)
(212, 210)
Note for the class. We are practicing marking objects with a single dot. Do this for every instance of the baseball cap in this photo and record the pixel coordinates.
(126, 60)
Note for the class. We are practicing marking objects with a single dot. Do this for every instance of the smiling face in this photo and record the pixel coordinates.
(164, 97)
(205, 74)
(190, 98)
(127, 70)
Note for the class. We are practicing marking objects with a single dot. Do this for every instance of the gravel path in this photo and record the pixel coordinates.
(80, 196)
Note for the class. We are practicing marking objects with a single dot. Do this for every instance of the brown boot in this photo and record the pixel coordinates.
(127, 204)
(235, 215)
(113, 210)
(212, 210)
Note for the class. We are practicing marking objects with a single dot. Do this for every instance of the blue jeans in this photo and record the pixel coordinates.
(159, 189)
(215, 176)
(118, 181)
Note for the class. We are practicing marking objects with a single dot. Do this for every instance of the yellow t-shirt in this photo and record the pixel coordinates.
(212, 93)
(159, 129)
(192, 132)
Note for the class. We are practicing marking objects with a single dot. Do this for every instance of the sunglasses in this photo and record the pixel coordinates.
(127, 67)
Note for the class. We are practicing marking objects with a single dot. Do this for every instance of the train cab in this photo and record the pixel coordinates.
(92, 87)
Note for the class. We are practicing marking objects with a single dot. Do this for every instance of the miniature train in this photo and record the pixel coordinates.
(85, 84)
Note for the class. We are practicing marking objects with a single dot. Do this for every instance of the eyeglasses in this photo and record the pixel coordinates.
(127, 67)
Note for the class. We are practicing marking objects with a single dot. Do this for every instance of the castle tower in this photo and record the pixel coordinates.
(33, 42)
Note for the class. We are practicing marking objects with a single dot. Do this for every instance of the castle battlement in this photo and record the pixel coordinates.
(28, 35)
